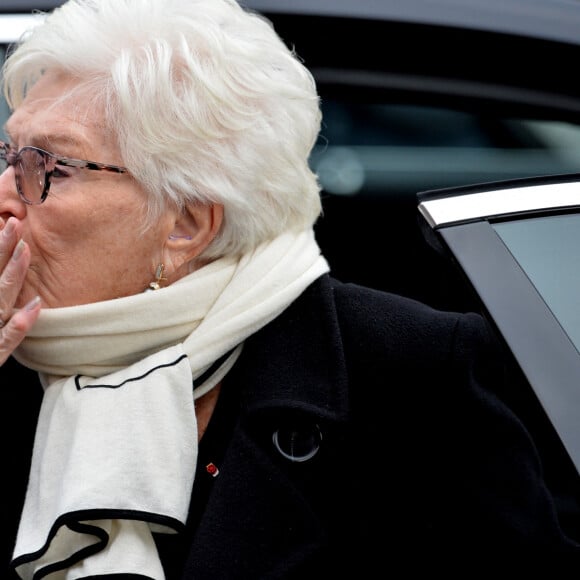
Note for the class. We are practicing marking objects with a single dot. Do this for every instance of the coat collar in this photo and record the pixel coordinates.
(297, 361)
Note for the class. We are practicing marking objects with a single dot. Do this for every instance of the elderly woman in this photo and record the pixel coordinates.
(214, 404)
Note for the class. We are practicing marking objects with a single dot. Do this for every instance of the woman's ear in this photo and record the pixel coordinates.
(194, 229)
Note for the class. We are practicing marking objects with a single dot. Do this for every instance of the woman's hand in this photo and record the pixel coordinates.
(14, 262)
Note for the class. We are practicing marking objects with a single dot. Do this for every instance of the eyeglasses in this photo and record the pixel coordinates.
(34, 167)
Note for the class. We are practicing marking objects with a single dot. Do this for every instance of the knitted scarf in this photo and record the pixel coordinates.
(116, 444)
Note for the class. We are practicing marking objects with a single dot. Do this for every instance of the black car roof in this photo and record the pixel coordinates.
(556, 20)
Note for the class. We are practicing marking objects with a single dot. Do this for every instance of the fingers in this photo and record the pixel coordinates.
(14, 331)
(14, 262)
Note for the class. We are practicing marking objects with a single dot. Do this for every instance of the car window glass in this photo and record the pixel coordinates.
(392, 148)
(547, 250)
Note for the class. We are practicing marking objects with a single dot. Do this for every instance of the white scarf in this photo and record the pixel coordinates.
(116, 443)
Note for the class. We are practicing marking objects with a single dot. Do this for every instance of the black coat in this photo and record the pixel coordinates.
(403, 452)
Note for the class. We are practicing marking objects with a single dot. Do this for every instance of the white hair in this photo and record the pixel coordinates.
(207, 102)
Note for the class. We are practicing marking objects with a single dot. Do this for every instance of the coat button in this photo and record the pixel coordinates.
(297, 443)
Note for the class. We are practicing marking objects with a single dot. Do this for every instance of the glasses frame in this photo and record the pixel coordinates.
(13, 159)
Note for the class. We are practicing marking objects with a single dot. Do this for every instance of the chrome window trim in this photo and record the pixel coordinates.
(448, 210)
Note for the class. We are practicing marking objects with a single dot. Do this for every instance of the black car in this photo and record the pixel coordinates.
(450, 165)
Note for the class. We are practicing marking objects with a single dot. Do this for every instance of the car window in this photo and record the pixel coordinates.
(394, 148)
(547, 249)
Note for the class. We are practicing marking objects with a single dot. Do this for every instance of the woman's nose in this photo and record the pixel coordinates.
(10, 202)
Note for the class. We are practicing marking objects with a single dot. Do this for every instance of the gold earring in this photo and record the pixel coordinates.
(155, 285)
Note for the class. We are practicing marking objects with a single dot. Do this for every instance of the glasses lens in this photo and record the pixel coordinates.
(3, 160)
(30, 174)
